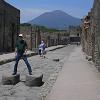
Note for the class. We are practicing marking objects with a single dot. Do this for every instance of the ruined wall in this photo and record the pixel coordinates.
(91, 36)
(96, 15)
(34, 36)
(87, 35)
(9, 26)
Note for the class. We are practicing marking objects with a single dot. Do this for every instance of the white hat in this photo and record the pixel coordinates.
(21, 35)
(42, 42)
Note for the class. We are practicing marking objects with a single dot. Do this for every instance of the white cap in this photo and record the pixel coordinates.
(41, 41)
(21, 35)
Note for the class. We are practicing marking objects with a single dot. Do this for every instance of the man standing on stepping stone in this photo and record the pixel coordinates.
(20, 50)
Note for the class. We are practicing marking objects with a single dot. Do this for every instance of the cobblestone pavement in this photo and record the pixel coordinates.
(47, 67)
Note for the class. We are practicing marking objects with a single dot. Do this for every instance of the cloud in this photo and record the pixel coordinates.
(28, 14)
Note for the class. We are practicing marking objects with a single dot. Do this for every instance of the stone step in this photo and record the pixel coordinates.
(34, 80)
(8, 79)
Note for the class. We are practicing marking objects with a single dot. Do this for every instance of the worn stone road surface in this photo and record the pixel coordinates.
(39, 65)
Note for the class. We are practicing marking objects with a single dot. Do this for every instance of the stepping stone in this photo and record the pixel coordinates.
(34, 80)
(10, 79)
(56, 59)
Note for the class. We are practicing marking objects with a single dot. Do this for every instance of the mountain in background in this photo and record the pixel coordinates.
(56, 19)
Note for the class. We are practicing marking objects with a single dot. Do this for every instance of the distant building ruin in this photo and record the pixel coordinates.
(9, 26)
(34, 36)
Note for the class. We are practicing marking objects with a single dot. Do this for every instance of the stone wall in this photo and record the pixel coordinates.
(86, 35)
(96, 14)
(34, 36)
(9, 26)
(91, 34)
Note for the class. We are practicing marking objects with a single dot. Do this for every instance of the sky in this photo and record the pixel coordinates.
(32, 8)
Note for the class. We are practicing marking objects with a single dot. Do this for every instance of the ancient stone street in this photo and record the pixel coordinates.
(62, 47)
(46, 66)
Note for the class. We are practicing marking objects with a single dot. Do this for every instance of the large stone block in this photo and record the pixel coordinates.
(10, 79)
(34, 80)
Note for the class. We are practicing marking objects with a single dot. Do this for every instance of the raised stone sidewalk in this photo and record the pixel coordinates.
(78, 80)
(5, 58)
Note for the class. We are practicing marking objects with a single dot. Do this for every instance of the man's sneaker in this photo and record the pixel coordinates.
(13, 73)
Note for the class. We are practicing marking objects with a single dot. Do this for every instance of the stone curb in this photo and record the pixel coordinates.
(47, 86)
(28, 55)
(13, 59)
(56, 48)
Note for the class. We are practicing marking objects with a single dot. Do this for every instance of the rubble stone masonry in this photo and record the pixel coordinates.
(91, 33)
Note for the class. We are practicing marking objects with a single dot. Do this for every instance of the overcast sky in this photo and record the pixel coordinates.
(33, 8)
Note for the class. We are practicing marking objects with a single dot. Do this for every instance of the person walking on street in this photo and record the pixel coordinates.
(42, 49)
(20, 51)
